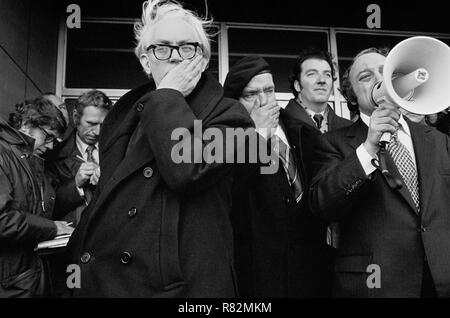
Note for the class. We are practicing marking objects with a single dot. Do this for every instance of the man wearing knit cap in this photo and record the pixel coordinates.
(280, 248)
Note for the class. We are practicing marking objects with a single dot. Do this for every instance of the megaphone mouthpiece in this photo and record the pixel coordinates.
(403, 85)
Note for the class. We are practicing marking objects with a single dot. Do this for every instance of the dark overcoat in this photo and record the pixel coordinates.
(26, 205)
(156, 228)
(295, 111)
(281, 246)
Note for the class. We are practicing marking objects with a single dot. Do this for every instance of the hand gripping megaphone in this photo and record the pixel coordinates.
(416, 77)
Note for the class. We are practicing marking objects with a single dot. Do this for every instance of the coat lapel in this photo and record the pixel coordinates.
(424, 148)
(357, 134)
(136, 150)
(138, 154)
(296, 111)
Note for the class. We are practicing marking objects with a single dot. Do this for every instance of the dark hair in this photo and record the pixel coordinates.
(307, 54)
(94, 98)
(38, 112)
(346, 85)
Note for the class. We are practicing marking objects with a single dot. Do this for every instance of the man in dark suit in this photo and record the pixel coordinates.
(279, 246)
(312, 83)
(75, 162)
(394, 242)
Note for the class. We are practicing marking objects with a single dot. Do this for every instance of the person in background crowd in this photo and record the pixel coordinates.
(280, 246)
(311, 82)
(58, 102)
(75, 161)
(26, 196)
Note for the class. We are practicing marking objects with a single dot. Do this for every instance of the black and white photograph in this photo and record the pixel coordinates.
(224, 155)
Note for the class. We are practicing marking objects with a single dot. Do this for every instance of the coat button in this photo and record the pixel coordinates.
(125, 258)
(287, 200)
(422, 229)
(132, 212)
(85, 258)
(140, 107)
(148, 172)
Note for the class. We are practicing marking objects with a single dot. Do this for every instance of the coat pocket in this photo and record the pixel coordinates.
(350, 276)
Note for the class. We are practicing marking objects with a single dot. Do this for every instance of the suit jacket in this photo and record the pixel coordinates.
(382, 226)
(156, 228)
(64, 164)
(280, 246)
(295, 111)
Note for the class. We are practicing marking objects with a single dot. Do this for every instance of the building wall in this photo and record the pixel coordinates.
(28, 50)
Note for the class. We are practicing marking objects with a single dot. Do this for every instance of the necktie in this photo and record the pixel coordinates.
(405, 165)
(90, 153)
(318, 118)
(89, 188)
(290, 167)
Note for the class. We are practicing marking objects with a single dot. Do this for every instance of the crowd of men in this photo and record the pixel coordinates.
(142, 225)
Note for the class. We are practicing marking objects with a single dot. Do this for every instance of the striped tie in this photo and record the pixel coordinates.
(290, 167)
(405, 165)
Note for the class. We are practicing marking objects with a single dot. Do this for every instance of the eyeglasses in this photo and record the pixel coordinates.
(163, 52)
(48, 137)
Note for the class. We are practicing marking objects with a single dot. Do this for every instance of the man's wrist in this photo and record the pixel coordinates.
(371, 149)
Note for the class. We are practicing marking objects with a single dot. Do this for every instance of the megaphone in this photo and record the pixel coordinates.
(416, 77)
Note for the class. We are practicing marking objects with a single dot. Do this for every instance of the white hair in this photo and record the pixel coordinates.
(155, 10)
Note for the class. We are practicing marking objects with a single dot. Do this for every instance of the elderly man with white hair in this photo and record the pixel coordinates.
(155, 227)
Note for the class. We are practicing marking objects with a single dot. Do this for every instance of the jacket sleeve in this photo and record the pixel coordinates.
(168, 112)
(337, 177)
(67, 198)
(19, 226)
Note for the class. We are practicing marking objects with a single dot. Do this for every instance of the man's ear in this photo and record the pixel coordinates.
(76, 117)
(145, 62)
(297, 86)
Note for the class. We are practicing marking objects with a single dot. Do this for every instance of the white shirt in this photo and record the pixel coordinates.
(404, 136)
(324, 125)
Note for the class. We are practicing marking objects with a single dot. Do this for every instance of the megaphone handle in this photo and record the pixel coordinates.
(393, 182)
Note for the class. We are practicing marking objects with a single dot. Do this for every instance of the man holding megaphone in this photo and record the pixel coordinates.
(394, 218)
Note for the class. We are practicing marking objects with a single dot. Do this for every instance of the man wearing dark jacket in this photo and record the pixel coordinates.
(75, 162)
(157, 227)
(26, 196)
(279, 246)
(312, 83)
(395, 242)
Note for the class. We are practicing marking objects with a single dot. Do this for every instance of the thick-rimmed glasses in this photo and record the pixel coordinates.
(163, 52)
(48, 137)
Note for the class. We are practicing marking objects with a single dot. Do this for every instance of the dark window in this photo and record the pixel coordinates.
(278, 47)
(101, 55)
